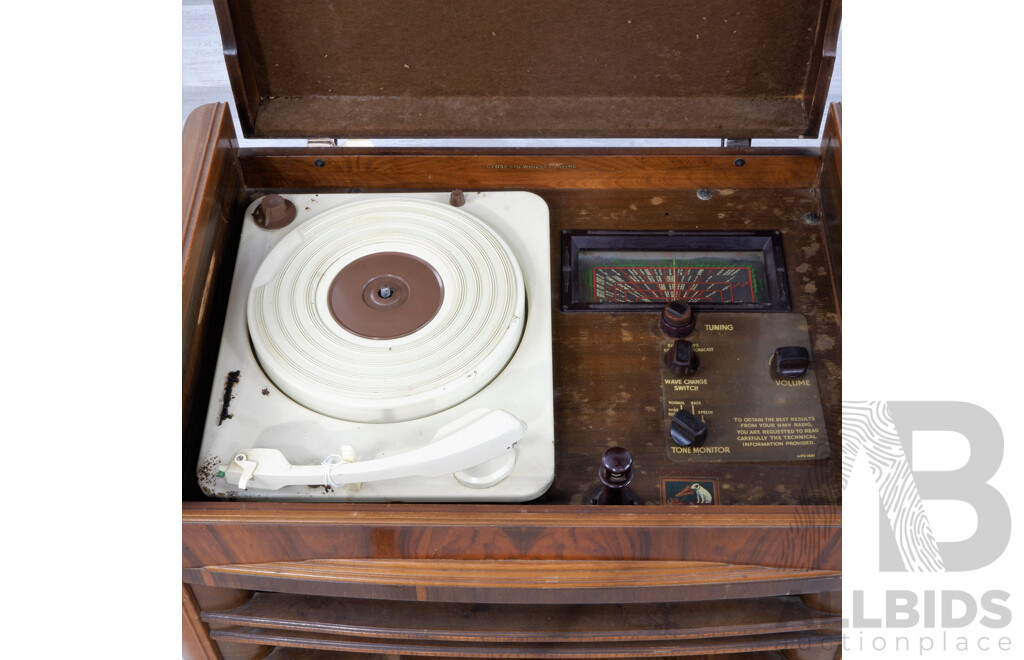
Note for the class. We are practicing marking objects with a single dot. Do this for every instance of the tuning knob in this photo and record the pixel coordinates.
(688, 430)
(677, 319)
(681, 360)
(790, 361)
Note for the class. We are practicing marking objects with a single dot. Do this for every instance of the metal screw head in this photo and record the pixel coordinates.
(811, 219)
(319, 162)
(739, 162)
(704, 194)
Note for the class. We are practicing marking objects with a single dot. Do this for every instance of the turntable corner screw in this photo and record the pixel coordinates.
(704, 194)
(739, 162)
(319, 162)
(811, 219)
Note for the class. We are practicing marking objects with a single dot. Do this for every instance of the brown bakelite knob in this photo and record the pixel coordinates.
(274, 212)
(616, 472)
(681, 360)
(688, 430)
(791, 361)
(677, 319)
(616, 467)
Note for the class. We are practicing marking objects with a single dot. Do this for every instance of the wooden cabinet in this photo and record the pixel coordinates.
(756, 574)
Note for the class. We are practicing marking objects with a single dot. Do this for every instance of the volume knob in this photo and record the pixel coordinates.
(791, 361)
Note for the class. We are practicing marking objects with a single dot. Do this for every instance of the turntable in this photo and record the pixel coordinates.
(390, 347)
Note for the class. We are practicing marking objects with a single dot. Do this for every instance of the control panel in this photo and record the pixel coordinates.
(737, 372)
(741, 387)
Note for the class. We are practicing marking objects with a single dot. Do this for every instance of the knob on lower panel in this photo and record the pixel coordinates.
(688, 430)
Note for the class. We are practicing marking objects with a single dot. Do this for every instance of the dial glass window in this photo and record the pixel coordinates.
(640, 271)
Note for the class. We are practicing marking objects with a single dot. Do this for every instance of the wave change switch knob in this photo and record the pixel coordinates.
(681, 360)
(688, 430)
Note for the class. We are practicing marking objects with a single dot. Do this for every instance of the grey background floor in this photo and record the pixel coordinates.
(204, 79)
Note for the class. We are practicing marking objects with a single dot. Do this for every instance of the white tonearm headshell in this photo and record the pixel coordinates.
(479, 448)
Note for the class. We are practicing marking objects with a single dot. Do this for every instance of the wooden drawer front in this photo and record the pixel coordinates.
(289, 621)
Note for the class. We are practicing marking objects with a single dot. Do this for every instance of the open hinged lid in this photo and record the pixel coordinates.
(530, 68)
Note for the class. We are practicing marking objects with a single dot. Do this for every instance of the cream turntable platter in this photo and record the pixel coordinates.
(387, 348)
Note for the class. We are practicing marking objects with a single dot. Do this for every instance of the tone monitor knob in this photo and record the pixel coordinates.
(688, 430)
